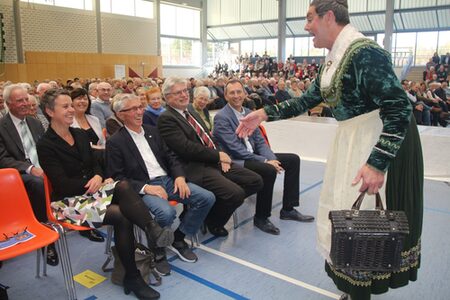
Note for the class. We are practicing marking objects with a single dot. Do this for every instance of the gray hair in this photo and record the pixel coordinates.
(119, 101)
(48, 99)
(170, 82)
(338, 7)
(9, 89)
(201, 90)
(93, 86)
(43, 86)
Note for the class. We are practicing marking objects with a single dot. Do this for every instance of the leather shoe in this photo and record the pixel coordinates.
(266, 226)
(294, 215)
(217, 231)
(93, 235)
(52, 255)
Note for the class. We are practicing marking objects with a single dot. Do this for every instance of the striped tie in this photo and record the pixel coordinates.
(28, 144)
(204, 137)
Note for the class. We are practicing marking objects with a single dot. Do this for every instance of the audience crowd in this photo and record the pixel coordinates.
(157, 136)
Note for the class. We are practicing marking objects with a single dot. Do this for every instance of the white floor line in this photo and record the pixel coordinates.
(270, 272)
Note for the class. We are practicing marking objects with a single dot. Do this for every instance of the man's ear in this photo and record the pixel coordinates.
(330, 17)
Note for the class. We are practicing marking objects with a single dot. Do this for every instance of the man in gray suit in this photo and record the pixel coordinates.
(18, 136)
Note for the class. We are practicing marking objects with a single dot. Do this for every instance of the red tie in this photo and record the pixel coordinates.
(204, 137)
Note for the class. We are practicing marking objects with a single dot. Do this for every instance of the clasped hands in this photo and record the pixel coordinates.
(180, 186)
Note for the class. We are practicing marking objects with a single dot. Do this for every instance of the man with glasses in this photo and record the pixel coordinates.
(101, 106)
(138, 154)
(203, 162)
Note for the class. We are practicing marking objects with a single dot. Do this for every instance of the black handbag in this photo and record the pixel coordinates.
(145, 262)
(367, 240)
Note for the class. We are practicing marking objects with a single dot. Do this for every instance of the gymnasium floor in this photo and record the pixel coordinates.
(250, 264)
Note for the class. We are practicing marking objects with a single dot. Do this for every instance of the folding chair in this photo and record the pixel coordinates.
(17, 216)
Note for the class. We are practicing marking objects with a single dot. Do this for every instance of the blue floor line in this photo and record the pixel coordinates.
(438, 210)
(91, 298)
(209, 284)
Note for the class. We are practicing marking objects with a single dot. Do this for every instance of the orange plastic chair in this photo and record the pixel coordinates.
(62, 227)
(16, 216)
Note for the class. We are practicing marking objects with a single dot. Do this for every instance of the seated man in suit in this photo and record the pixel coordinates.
(254, 153)
(18, 136)
(203, 162)
(137, 153)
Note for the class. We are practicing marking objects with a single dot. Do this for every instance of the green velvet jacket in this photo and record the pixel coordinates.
(363, 82)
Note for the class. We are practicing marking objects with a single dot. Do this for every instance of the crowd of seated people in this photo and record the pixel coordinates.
(95, 139)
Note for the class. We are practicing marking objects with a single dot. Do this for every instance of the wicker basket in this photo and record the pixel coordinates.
(367, 240)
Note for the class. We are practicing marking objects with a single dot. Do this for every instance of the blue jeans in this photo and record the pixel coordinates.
(199, 203)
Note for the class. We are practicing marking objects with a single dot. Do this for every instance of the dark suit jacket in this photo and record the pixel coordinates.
(225, 124)
(124, 161)
(12, 154)
(149, 118)
(69, 168)
(183, 140)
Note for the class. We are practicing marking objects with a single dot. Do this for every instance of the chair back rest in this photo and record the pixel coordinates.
(48, 193)
(14, 202)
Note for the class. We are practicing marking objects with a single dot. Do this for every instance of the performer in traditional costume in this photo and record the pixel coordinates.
(376, 140)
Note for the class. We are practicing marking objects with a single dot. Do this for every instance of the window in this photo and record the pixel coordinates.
(246, 47)
(180, 21)
(272, 47)
(289, 47)
(78, 4)
(426, 46)
(180, 51)
(137, 8)
(444, 42)
(301, 46)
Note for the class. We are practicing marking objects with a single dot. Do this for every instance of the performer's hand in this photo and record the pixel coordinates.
(156, 190)
(249, 123)
(181, 186)
(94, 184)
(372, 180)
(276, 164)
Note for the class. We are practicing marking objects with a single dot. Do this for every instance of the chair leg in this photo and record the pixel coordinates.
(63, 251)
(108, 252)
(44, 264)
(137, 234)
(235, 220)
(38, 263)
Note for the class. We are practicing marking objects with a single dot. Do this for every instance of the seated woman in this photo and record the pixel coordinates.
(154, 107)
(66, 157)
(198, 106)
(84, 120)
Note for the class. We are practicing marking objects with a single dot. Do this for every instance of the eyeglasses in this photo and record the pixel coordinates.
(179, 93)
(133, 109)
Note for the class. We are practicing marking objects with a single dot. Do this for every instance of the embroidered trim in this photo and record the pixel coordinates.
(333, 93)
(384, 152)
(410, 260)
(393, 135)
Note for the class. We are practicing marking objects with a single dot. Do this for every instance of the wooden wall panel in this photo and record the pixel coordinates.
(67, 65)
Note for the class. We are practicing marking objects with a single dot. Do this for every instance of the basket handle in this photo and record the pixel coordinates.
(378, 203)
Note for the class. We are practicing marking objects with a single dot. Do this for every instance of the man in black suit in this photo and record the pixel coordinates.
(138, 154)
(203, 162)
(18, 136)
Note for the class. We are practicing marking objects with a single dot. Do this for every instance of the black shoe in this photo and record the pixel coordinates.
(162, 266)
(158, 237)
(52, 255)
(266, 226)
(181, 248)
(345, 297)
(295, 216)
(138, 286)
(93, 235)
(217, 231)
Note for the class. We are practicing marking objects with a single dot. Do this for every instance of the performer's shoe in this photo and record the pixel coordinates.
(294, 215)
(217, 231)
